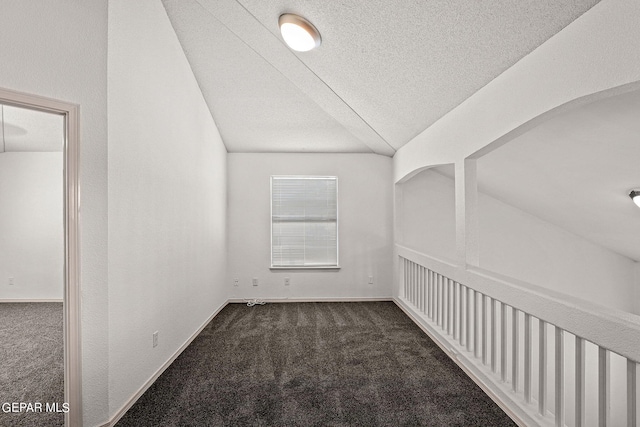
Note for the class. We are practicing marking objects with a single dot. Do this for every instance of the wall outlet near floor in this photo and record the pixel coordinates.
(155, 339)
(371, 280)
(235, 281)
(11, 281)
(287, 281)
(255, 281)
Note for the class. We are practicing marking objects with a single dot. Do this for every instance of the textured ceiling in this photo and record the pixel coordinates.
(257, 108)
(576, 171)
(385, 70)
(28, 130)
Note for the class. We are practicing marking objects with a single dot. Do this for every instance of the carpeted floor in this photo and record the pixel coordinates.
(314, 364)
(31, 361)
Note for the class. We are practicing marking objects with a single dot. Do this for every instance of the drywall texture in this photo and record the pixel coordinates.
(59, 50)
(605, 40)
(520, 245)
(515, 243)
(167, 199)
(365, 223)
(636, 296)
(426, 215)
(31, 227)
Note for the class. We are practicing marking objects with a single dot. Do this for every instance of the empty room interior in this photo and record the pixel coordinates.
(32, 246)
(429, 215)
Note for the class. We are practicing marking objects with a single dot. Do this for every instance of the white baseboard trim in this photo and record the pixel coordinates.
(319, 299)
(501, 397)
(133, 399)
(29, 300)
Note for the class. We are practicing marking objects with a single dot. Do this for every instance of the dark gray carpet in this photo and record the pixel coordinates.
(313, 364)
(31, 361)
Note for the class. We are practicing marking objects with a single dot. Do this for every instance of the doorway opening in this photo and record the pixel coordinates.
(32, 159)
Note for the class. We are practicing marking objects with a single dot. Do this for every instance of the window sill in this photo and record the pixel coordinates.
(318, 267)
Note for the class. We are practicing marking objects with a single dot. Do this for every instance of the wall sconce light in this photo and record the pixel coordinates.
(635, 196)
(298, 33)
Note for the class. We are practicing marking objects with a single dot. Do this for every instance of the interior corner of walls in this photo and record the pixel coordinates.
(183, 266)
(427, 215)
(366, 225)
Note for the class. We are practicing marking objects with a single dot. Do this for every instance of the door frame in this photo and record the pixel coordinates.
(71, 219)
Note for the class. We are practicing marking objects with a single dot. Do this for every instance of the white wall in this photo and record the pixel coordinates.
(365, 211)
(426, 215)
(167, 198)
(637, 289)
(517, 244)
(31, 226)
(59, 49)
(605, 40)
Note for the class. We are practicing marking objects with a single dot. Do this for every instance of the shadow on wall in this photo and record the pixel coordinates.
(554, 208)
(426, 213)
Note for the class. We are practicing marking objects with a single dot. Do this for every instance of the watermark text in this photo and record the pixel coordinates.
(25, 407)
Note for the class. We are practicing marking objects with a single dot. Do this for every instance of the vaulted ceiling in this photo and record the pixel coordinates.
(385, 70)
(575, 171)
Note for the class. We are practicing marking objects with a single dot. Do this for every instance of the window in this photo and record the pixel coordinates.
(304, 222)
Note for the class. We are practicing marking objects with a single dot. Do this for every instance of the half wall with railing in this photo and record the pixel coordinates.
(545, 358)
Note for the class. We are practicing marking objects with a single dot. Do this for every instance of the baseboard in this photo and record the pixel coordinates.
(133, 399)
(502, 399)
(29, 300)
(319, 299)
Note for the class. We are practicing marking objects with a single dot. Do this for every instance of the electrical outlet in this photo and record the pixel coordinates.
(155, 339)
(371, 280)
(255, 281)
(11, 281)
(235, 281)
(287, 281)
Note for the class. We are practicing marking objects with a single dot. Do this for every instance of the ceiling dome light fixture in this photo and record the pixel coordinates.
(299, 34)
(635, 196)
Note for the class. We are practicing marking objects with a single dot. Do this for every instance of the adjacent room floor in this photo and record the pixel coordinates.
(314, 364)
(31, 361)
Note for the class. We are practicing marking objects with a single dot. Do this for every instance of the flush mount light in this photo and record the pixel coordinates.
(635, 196)
(298, 33)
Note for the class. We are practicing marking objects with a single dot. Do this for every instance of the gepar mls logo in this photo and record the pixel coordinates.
(19, 407)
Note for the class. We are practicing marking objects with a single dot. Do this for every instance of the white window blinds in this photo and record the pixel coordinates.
(304, 221)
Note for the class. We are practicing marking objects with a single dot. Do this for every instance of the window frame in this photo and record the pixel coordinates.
(304, 267)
